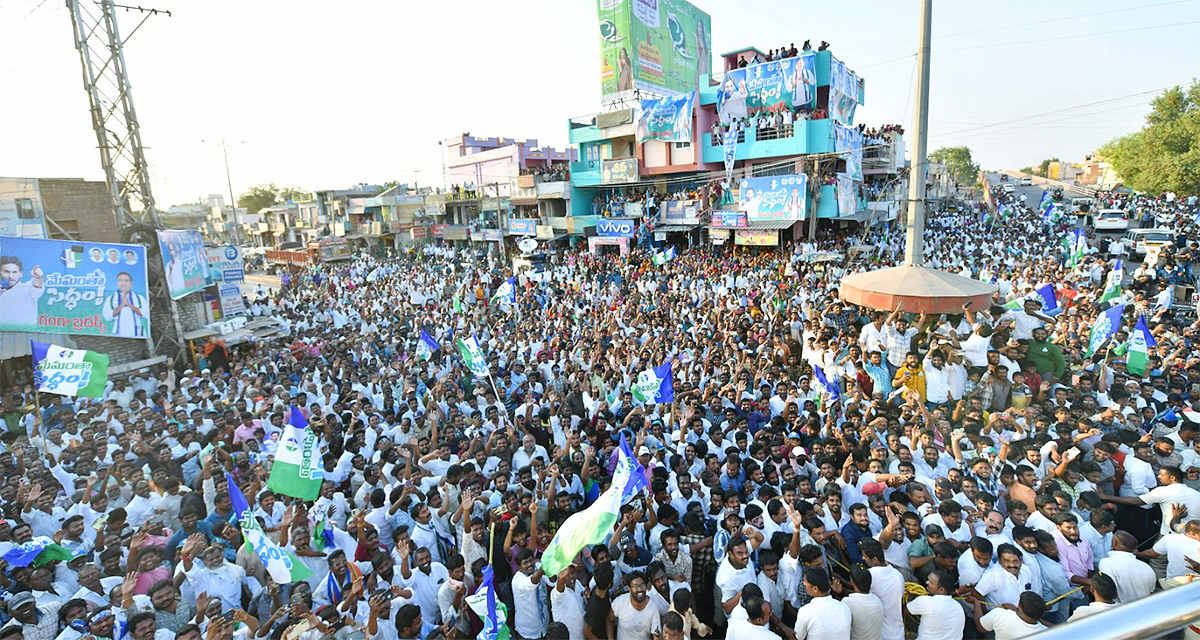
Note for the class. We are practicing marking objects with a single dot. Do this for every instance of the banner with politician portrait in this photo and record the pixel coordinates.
(668, 119)
(185, 261)
(82, 288)
(843, 92)
(768, 87)
(774, 197)
(848, 142)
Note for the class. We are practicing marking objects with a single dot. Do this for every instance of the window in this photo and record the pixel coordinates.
(683, 145)
(767, 170)
(591, 153)
(25, 209)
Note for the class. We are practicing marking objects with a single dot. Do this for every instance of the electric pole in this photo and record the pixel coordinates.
(914, 248)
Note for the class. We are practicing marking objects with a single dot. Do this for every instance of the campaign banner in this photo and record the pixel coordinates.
(615, 228)
(849, 141)
(728, 220)
(186, 262)
(768, 87)
(843, 92)
(847, 195)
(756, 237)
(729, 147)
(668, 119)
(522, 227)
(83, 288)
(227, 264)
(774, 197)
(661, 46)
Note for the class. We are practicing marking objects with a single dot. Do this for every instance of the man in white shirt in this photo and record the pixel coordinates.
(756, 626)
(1104, 590)
(529, 596)
(942, 618)
(823, 618)
(887, 584)
(734, 573)
(1134, 578)
(424, 578)
(632, 616)
(1170, 493)
(866, 611)
(566, 601)
(1009, 624)
(1005, 581)
(1178, 547)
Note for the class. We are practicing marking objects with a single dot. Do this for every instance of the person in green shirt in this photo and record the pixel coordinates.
(1046, 357)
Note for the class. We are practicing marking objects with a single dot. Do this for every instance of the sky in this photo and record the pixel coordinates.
(328, 95)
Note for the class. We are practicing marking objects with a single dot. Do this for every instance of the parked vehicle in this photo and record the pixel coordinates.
(1110, 220)
(1140, 239)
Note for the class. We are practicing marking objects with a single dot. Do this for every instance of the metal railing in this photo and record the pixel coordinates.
(1149, 617)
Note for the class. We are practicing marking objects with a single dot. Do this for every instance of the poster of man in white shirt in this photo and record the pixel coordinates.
(19, 300)
(126, 310)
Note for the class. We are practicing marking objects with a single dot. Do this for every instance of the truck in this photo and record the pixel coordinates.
(325, 250)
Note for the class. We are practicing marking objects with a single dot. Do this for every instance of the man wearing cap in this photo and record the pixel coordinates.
(37, 622)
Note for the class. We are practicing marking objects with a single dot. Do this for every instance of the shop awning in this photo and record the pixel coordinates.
(770, 224)
(14, 344)
(675, 228)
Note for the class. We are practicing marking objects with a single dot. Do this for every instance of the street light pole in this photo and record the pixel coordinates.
(914, 248)
(237, 219)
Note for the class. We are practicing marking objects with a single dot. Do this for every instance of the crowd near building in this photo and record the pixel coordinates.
(610, 391)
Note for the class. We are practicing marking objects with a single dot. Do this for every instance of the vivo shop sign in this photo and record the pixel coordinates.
(614, 228)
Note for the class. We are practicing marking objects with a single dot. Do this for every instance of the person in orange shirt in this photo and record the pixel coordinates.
(911, 375)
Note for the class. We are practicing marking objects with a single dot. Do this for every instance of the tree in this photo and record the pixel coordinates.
(261, 196)
(958, 161)
(1165, 154)
(1044, 169)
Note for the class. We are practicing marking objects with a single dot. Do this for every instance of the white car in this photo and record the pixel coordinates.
(1008, 187)
(1110, 220)
(1026, 181)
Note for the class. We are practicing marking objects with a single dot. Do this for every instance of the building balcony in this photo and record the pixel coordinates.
(803, 137)
(585, 173)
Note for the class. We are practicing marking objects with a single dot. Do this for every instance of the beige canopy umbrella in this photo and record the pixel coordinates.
(915, 289)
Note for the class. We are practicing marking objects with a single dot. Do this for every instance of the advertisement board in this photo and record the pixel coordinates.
(545, 232)
(416, 233)
(231, 300)
(668, 119)
(615, 228)
(618, 171)
(186, 262)
(728, 220)
(85, 288)
(491, 235)
(522, 227)
(227, 264)
(456, 232)
(756, 237)
(768, 87)
(579, 223)
(22, 214)
(663, 46)
(774, 197)
(437, 230)
(672, 211)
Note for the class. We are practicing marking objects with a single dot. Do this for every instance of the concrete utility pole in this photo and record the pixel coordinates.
(914, 249)
(238, 234)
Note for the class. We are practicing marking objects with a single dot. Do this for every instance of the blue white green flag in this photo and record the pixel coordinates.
(592, 525)
(506, 292)
(1106, 326)
(489, 608)
(473, 356)
(1112, 287)
(297, 470)
(655, 385)
(284, 567)
(664, 257)
(1140, 343)
(69, 372)
(427, 346)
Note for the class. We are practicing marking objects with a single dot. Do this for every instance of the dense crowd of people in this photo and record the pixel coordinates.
(552, 173)
(978, 472)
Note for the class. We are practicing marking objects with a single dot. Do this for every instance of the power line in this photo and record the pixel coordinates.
(1056, 111)
(1023, 24)
(1081, 35)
